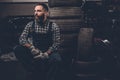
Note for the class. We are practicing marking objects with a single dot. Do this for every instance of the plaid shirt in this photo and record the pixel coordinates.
(24, 38)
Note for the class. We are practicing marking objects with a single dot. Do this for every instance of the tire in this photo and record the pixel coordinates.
(87, 70)
(87, 66)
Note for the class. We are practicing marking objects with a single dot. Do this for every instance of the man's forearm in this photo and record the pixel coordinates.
(27, 45)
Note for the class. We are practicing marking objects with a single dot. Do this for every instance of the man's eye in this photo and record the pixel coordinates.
(39, 11)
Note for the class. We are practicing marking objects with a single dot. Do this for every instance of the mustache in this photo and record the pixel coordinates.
(39, 17)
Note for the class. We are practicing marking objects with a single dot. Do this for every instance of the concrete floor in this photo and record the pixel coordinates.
(15, 71)
(11, 69)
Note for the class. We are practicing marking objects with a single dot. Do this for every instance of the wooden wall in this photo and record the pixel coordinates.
(17, 8)
(69, 18)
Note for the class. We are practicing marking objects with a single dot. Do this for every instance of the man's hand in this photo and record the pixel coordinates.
(35, 51)
(45, 55)
(42, 56)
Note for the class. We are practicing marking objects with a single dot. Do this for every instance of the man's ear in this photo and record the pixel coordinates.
(47, 13)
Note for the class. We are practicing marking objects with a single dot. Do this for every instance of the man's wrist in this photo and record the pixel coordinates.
(48, 52)
(31, 47)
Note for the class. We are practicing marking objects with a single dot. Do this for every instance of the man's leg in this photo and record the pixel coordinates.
(24, 56)
(54, 66)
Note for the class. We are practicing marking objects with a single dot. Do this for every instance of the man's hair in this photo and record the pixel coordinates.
(44, 6)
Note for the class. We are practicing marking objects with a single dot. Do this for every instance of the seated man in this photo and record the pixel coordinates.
(39, 43)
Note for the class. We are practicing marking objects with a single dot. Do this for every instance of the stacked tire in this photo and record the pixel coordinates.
(86, 66)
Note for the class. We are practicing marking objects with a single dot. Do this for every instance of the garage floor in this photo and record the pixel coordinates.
(13, 70)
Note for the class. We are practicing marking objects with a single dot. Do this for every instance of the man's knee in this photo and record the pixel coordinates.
(55, 57)
(19, 50)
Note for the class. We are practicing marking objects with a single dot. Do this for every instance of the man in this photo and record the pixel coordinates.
(39, 43)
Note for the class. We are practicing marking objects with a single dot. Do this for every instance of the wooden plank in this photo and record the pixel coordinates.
(23, 0)
(59, 3)
(71, 25)
(69, 40)
(65, 11)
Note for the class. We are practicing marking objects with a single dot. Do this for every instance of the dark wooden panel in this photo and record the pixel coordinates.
(69, 40)
(10, 9)
(65, 11)
(58, 3)
(71, 25)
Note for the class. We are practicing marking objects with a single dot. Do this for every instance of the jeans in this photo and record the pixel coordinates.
(41, 69)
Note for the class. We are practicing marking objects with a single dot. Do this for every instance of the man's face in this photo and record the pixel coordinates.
(39, 12)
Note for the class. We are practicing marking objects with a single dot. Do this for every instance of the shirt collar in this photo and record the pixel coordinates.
(45, 23)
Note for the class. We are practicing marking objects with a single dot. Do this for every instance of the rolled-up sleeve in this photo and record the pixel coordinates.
(56, 37)
(24, 36)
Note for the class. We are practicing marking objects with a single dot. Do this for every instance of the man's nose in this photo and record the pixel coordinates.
(35, 13)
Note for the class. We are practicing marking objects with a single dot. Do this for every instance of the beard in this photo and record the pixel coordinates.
(40, 19)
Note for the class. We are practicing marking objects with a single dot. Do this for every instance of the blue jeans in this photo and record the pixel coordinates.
(42, 69)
